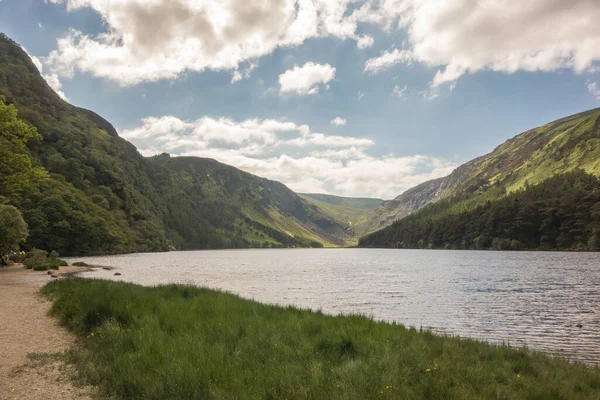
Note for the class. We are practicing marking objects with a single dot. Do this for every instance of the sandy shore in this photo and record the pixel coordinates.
(26, 328)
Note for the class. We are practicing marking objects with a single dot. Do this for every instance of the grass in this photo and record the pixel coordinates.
(183, 342)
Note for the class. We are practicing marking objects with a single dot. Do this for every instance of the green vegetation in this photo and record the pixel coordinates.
(561, 146)
(350, 202)
(83, 190)
(350, 212)
(13, 230)
(79, 264)
(40, 260)
(562, 212)
(186, 342)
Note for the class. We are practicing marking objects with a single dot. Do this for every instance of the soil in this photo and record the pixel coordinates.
(31, 341)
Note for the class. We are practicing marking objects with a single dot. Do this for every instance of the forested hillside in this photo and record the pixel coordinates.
(562, 212)
(561, 146)
(88, 191)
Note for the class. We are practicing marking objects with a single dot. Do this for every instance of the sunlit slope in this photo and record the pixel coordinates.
(347, 211)
(531, 157)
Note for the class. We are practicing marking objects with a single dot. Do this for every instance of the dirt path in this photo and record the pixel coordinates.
(26, 328)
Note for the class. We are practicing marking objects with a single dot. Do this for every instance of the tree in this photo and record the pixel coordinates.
(13, 229)
(16, 169)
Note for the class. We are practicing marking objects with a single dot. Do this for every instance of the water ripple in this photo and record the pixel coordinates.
(545, 301)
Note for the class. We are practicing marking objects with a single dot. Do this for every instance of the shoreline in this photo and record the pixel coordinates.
(32, 342)
(183, 341)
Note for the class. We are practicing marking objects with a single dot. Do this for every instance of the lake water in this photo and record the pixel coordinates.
(545, 301)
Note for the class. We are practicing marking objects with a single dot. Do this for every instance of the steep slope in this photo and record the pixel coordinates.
(561, 146)
(102, 196)
(561, 212)
(347, 211)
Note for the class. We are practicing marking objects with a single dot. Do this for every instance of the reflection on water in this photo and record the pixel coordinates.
(545, 301)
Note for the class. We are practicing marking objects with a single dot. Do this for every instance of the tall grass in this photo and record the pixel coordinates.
(183, 342)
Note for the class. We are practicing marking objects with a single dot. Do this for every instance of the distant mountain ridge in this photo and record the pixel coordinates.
(560, 146)
(364, 203)
(347, 211)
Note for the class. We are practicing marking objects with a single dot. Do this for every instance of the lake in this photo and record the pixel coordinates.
(547, 301)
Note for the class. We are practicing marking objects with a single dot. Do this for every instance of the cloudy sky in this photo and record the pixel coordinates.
(355, 98)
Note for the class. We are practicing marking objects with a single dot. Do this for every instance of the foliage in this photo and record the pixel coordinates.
(41, 260)
(79, 264)
(562, 212)
(35, 257)
(183, 342)
(16, 170)
(351, 213)
(13, 229)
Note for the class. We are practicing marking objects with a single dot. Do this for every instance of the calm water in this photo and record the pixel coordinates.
(532, 299)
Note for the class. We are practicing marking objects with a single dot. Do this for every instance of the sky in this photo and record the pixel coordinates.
(355, 98)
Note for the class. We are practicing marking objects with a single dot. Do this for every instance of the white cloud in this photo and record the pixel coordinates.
(306, 79)
(54, 82)
(594, 89)
(338, 121)
(387, 60)
(238, 75)
(365, 42)
(36, 61)
(400, 92)
(51, 79)
(161, 39)
(466, 36)
(290, 153)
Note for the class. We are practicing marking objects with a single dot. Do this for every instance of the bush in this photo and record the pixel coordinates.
(80, 264)
(40, 260)
(50, 264)
(35, 257)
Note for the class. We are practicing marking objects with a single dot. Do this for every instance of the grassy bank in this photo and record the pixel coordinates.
(185, 342)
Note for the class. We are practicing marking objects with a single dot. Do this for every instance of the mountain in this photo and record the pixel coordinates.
(356, 203)
(514, 181)
(561, 146)
(348, 211)
(559, 213)
(96, 194)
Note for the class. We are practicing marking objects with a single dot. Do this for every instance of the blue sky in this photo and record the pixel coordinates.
(356, 98)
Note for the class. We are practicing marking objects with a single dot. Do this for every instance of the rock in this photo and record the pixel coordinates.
(579, 326)
(117, 274)
(54, 274)
(107, 268)
(50, 272)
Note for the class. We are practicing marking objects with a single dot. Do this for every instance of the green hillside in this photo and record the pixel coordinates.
(561, 212)
(95, 194)
(561, 146)
(507, 196)
(347, 211)
(350, 202)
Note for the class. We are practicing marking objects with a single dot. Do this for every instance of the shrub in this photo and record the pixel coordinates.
(80, 264)
(35, 257)
(50, 264)
(40, 260)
